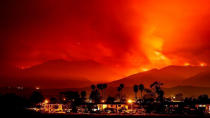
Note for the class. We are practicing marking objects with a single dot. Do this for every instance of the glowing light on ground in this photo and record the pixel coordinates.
(37, 88)
(46, 101)
(130, 101)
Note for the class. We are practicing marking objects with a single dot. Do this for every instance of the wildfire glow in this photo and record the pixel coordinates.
(153, 47)
(203, 64)
(144, 69)
(186, 64)
(119, 37)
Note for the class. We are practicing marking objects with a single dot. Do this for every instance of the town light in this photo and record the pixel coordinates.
(46, 101)
(37, 88)
(130, 101)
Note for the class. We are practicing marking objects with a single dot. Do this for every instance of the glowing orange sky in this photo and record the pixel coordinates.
(128, 35)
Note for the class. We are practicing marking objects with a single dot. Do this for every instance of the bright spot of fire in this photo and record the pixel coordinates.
(152, 45)
(203, 64)
(144, 69)
(186, 64)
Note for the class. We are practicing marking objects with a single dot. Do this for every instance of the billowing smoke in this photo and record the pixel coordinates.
(128, 35)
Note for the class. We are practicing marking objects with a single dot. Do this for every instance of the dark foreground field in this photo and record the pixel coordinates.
(27, 114)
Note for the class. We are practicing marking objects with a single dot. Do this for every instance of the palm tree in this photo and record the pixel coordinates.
(135, 89)
(104, 88)
(36, 97)
(100, 87)
(93, 87)
(83, 95)
(141, 88)
(119, 89)
(122, 86)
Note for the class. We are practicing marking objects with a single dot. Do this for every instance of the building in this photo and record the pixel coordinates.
(203, 107)
(116, 107)
(52, 108)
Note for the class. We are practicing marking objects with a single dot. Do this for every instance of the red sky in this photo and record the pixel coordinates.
(126, 35)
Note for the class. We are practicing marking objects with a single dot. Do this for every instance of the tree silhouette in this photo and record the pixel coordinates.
(156, 86)
(203, 99)
(53, 100)
(83, 96)
(122, 86)
(119, 89)
(141, 88)
(93, 87)
(110, 100)
(135, 89)
(95, 96)
(73, 98)
(160, 95)
(100, 87)
(36, 97)
(104, 90)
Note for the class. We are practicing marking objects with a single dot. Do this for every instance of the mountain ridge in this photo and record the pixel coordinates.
(171, 76)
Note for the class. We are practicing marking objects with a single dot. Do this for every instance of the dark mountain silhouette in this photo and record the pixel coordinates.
(187, 91)
(200, 80)
(60, 73)
(63, 69)
(170, 76)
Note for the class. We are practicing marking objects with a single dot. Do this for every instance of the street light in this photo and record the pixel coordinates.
(46, 101)
(130, 102)
(37, 88)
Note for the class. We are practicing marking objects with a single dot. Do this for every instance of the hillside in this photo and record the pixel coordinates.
(59, 74)
(171, 76)
(200, 80)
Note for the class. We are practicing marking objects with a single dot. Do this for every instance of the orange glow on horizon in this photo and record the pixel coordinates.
(144, 69)
(105, 40)
(203, 64)
(186, 64)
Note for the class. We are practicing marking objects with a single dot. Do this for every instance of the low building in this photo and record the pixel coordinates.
(52, 108)
(204, 107)
(115, 106)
